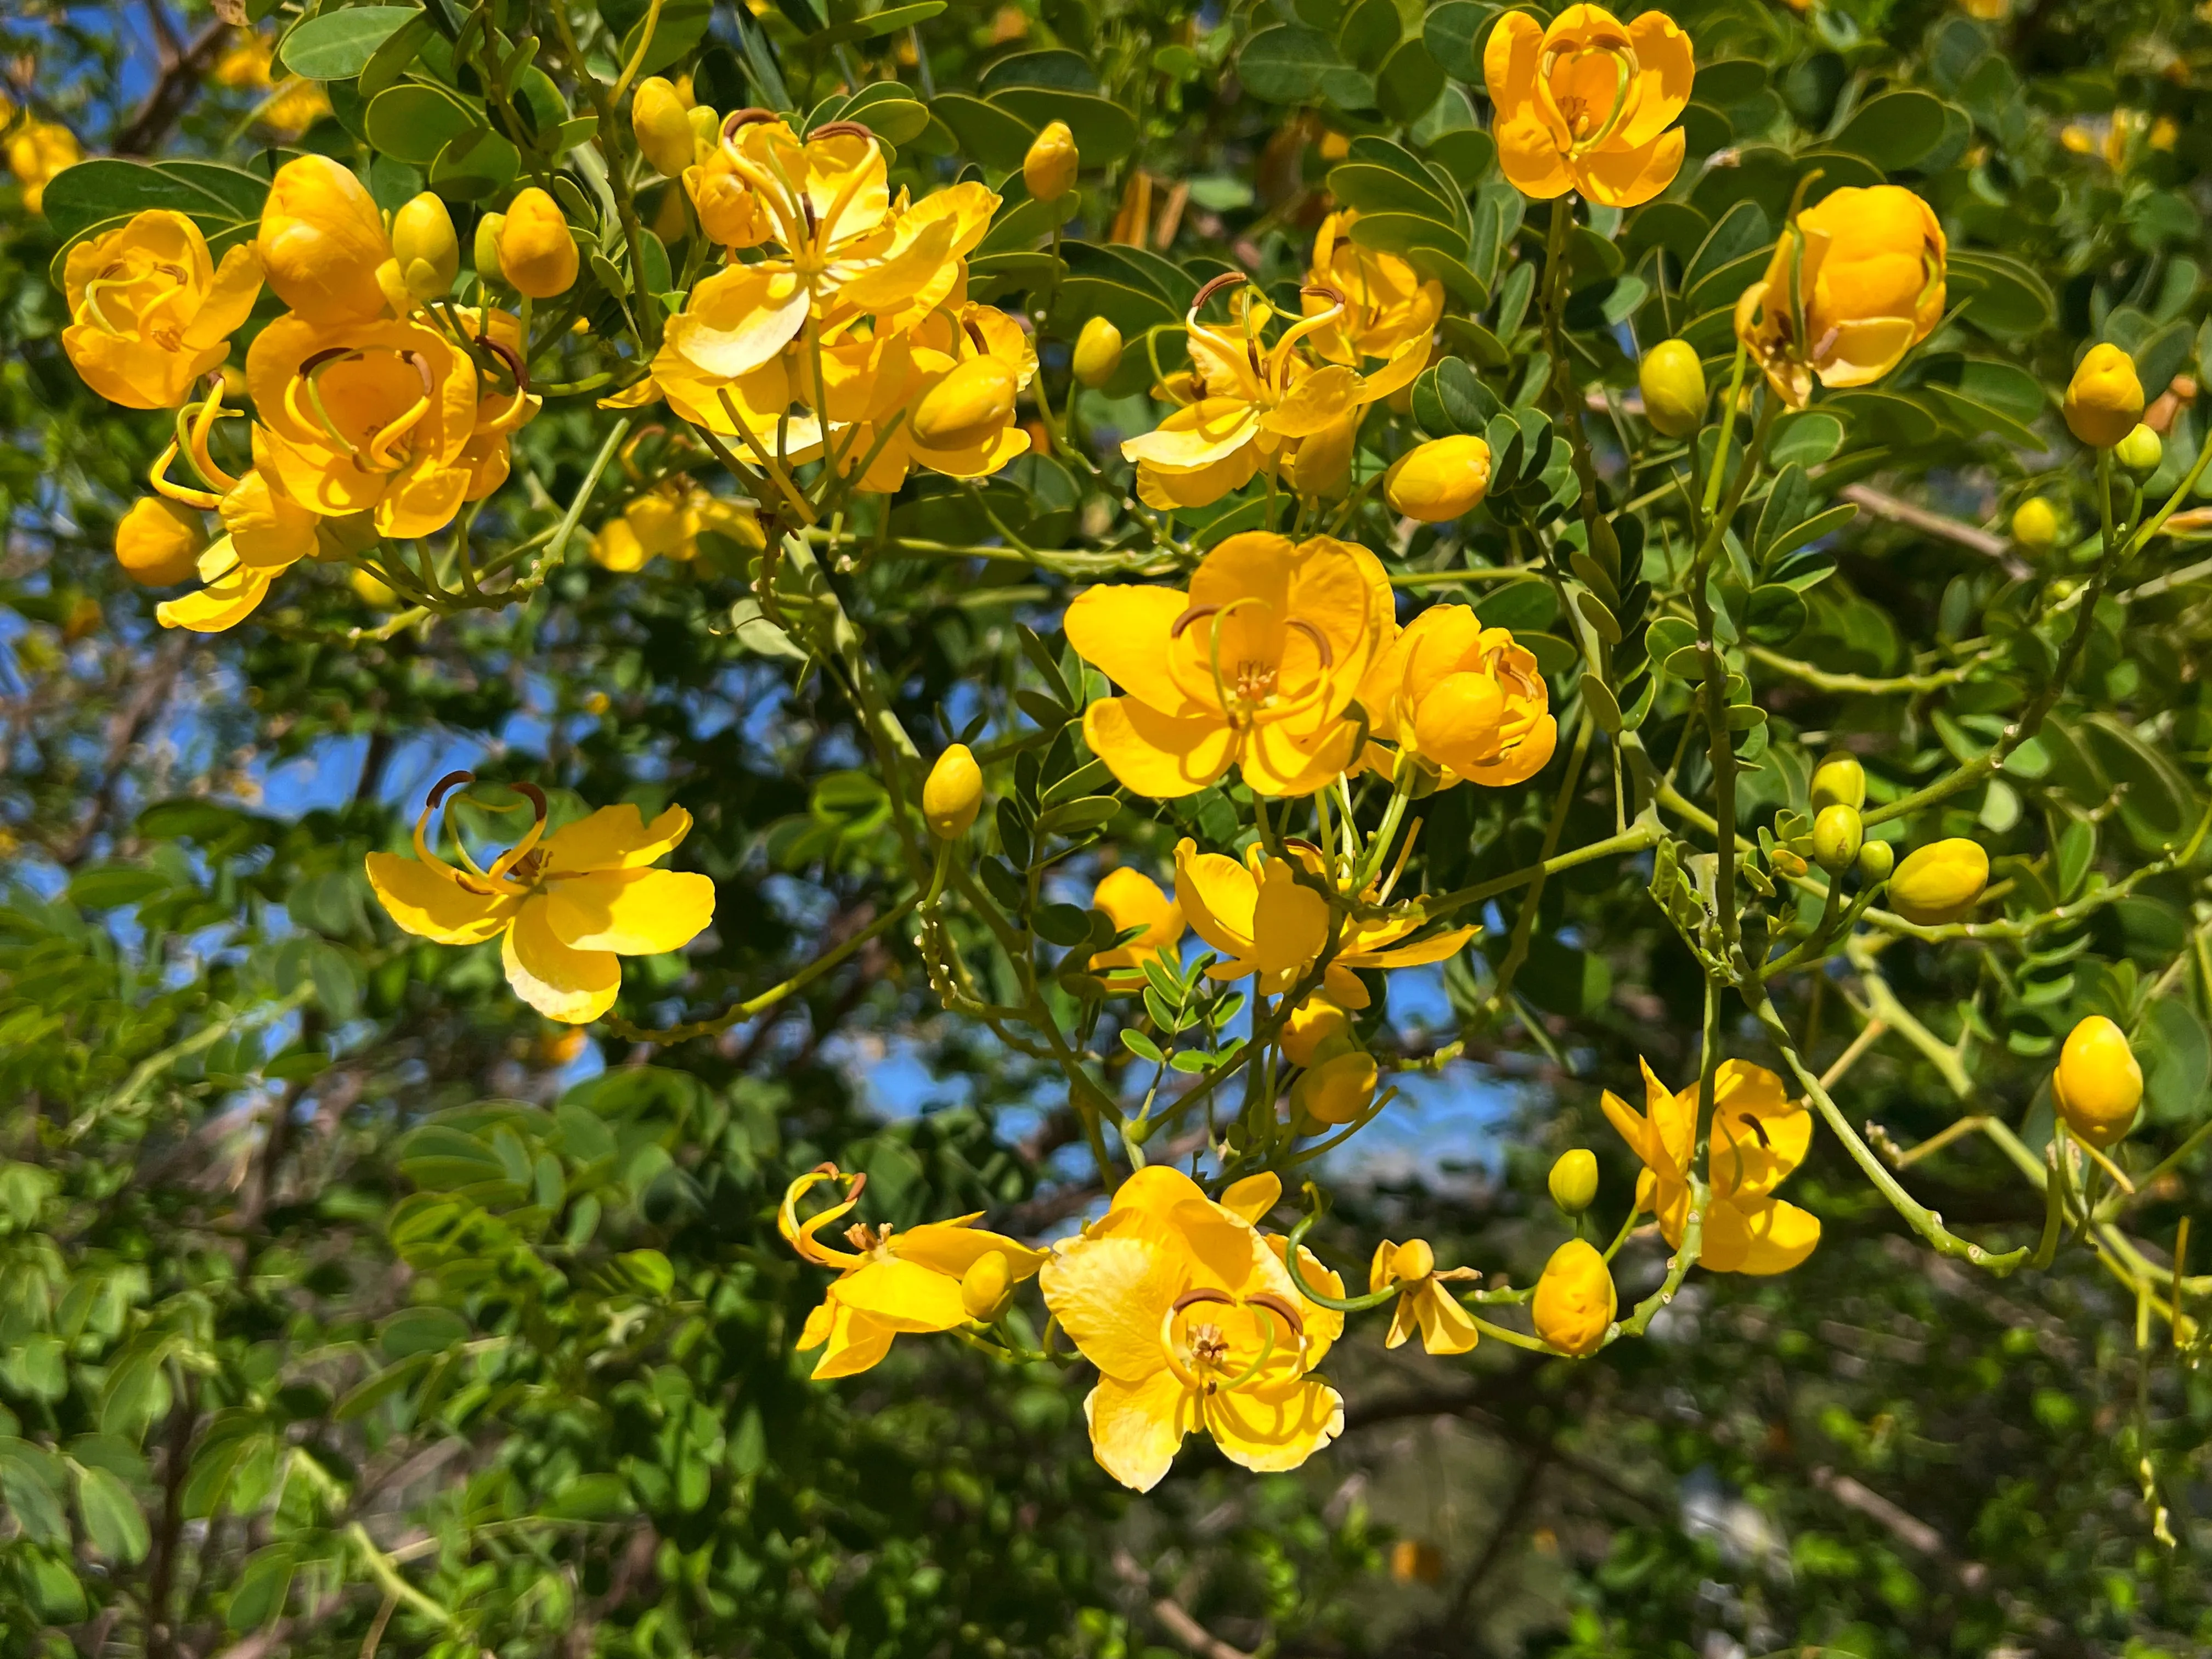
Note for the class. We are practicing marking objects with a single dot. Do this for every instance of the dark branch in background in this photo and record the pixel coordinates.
(161, 1577)
(173, 92)
(124, 728)
(1174, 1618)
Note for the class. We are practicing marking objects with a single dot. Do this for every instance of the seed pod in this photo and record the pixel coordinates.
(1838, 779)
(1673, 382)
(663, 126)
(2098, 1084)
(1574, 1300)
(536, 250)
(987, 1286)
(1098, 352)
(1875, 861)
(1437, 481)
(1573, 1180)
(1939, 882)
(2035, 524)
(423, 242)
(1838, 835)
(953, 794)
(486, 247)
(2104, 399)
(969, 406)
(2140, 451)
(1050, 168)
(158, 541)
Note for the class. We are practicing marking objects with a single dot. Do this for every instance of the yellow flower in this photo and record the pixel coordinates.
(1423, 1304)
(668, 522)
(37, 150)
(1855, 283)
(1941, 882)
(158, 541)
(2104, 398)
(1574, 1300)
(893, 1281)
(1312, 1024)
(1256, 665)
(298, 104)
(1461, 701)
(322, 243)
(662, 125)
(1588, 103)
(1194, 1323)
(728, 211)
(150, 310)
(2098, 1084)
(1133, 899)
(956, 372)
(1252, 400)
(566, 907)
(1386, 301)
(1264, 921)
(1758, 1135)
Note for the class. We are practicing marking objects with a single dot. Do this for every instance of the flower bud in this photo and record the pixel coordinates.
(663, 126)
(2104, 399)
(953, 794)
(1311, 1023)
(2098, 1084)
(2140, 451)
(1413, 1260)
(1939, 882)
(158, 541)
(1838, 779)
(372, 589)
(1673, 382)
(1573, 1180)
(1322, 465)
(2035, 524)
(1437, 481)
(536, 250)
(423, 242)
(706, 131)
(987, 1286)
(1098, 352)
(1575, 1301)
(1050, 168)
(1339, 1088)
(1838, 835)
(486, 247)
(1875, 858)
(969, 406)
(322, 241)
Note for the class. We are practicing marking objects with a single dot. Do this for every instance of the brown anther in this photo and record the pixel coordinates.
(734, 123)
(1756, 1128)
(1326, 291)
(1192, 1298)
(1320, 640)
(976, 335)
(533, 794)
(512, 358)
(422, 367)
(1227, 279)
(1281, 1309)
(839, 129)
(315, 360)
(438, 791)
(1196, 613)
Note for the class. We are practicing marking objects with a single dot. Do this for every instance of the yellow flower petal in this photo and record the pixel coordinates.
(615, 838)
(1252, 1196)
(856, 1341)
(573, 987)
(1136, 1427)
(635, 912)
(1110, 1295)
(1756, 1236)
(222, 603)
(1218, 896)
(1446, 1327)
(1290, 922)
(1123, 633)
(903, 1296)
(952, 1247)
(1629, 178)
(429, 903)
(1155, 754)
(1267, 1431)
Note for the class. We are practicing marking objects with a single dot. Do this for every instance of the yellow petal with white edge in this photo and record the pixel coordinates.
(614, 838)
(1155, 754)
(1756, 1236)
(1110, 1296)
(1123, 633)
(1270, 1431)
(952, 1248)
(857, 1343)
(429, 903)
(1136, 1427)
(903, 1296)
(573, 987)
(1446, 1327)
(635, 912)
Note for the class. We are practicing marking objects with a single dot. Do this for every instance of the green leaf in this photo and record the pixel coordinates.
(379, 1386)
(681, 25)
(1805, 438)
(1104, 131)
(1141, 1046)
(389, 61)
(590, 1498)
(1409, 82)
(414, 123)
(1895, 129)
(421, 1331)
(1373, 188)
(475, 166)
(889, 111)
(990, 133)
(112, 1519)
(338, 45)
(1470, 156)
(2178, 1056)
(886, 22)
(1450, 31)
(1065, 925)
(31, 1482)
(108, 886)
(2005, 297)
(1055, 68)
(265, 1585)
(1292, 64)
(220, 199)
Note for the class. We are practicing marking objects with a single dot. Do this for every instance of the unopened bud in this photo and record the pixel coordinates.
(1098, 352)
(1940, 882)
(1838, 835)
(2104, 399)
(1673, 382)
(968, 406)
(1574, 1180)
(1874, 861)
(1339, 1088)
(2140, 451)
(2098, 1083)
(158, 541)
(986, 1287)
(1574, 1300)
(663, 126)
(1838, 781)
(1050, 168)
(536, 250)
(2035, 524)
(486, 247)
(1436, 482)
(423, 242)
(954, 792)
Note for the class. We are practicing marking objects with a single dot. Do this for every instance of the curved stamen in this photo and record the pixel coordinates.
(1196, 613)
(158, 476)
(838, 129)
(1192, 1298)
(1227, 279)
(1282, 1308)
(736, 120)
(1267, 1346)
(1320, 641)
(208, 414)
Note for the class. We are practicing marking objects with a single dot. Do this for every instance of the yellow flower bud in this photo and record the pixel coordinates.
(1312, 1023)
(1413, 1260)
(486, 247)
(2140, 451)
(954, 792)
(616, 547)
(376, 591)
(1838, 835)
(536, 250)
(2104, 399)
(706, 132)
(663, 126)
(158, 541)
(1437, 481)
(1939, 882)
(1322, 464)
(1339, 1088)
(2035, 524)
(1574, 1300)
(969, 406)
(1050, 168)
(1838, 781)
(1573, 1180)
(428, 251)
(1098, 352)
(987, 1286)
(322, 241)
(1673, 382)
(1875, 858)
(2098, 1084)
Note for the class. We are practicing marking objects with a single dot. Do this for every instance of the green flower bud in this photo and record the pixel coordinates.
(1574, 1180)
(486, 247)
(1838, 835)
(1875, 861)
(1673, 382)
(2140, 451)
(1840, 780)
(2035, 524)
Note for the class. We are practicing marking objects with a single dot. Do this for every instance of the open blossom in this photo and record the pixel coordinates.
(1588, 103)
(37, 151)
(1252, 403)
(1757, 1135)
(1461, 701)
(668, 522)
(1856, 282)
(566, 907)
(940, 394)
(297, 103)
(1194, 1324)
(1256, 667)
(1424, 1304)
(1385, 301)
(1132, 899)
(890, 1281)
(1264, 919)
(150, 310)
